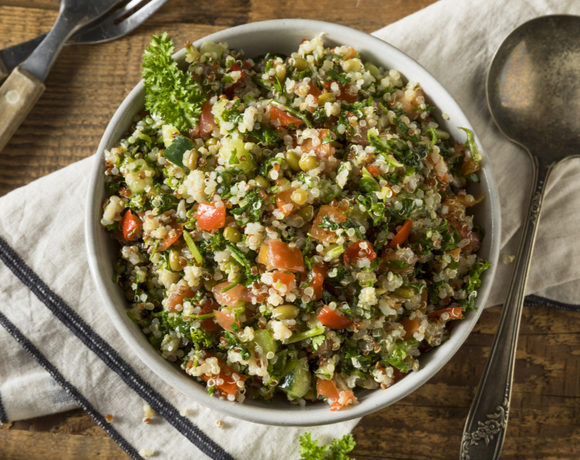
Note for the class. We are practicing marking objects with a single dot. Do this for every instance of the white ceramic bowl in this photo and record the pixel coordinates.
(283, 36)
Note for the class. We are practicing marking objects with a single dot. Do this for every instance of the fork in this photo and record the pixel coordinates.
(25, 85)
(121, 20)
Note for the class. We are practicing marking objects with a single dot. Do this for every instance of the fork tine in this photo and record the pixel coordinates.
(140, 14)
(129, 7)
(116, 15)
(120, 22)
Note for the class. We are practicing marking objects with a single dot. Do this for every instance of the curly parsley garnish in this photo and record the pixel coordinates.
(336, 450)
(170, 92)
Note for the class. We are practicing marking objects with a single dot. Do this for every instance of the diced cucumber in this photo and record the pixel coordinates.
(215, 49)
(175, 151)
(297, 381)
(264, 340)
(139, 175)
(233, 155)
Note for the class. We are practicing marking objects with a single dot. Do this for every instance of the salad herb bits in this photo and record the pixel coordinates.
(295, 225)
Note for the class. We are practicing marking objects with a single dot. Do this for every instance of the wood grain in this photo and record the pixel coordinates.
(84, 89)
(26, 445)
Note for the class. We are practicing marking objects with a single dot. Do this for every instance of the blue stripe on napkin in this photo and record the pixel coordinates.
(538, 301)
(3, 417)
(108, 355)
(69, 388)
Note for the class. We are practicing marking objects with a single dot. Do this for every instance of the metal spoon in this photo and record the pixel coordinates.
(533, 94)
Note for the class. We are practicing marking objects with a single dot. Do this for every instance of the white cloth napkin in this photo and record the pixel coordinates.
(59, 350)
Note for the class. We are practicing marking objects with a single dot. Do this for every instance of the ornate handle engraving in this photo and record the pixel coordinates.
(495, 424)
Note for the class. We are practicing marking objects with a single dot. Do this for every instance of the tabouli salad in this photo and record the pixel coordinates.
(291, 225)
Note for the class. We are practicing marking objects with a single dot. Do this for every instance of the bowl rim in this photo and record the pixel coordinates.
(290, 415)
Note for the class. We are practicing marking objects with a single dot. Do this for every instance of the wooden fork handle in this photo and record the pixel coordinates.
(18, 95)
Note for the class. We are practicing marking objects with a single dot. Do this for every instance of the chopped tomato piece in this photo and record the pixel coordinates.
(323, 150)
(210, 217)
(313, 89)
(440, 167)
(229, 296)
(323, 234)
(284, 202)
(173, 235)
(277, 254)
(286, 281)
(347, 95)
(333, 319)
(339, 399)
(402, 234)
(229, 379)
(373, 170)
(345, 91)
(326, 388)
(359, 251)
(209, 324)
(226, 319)
(181, 292)
(281, 118)
(410, 100)
(345, 399)
(455, 253)
(411, 326)
(318, 275)
(454, 313)
(131, 226)
(206, 122)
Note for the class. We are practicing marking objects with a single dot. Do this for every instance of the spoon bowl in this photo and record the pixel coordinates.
(533, 94)
(533, 87)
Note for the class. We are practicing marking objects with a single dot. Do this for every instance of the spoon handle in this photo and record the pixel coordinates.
(486, 424)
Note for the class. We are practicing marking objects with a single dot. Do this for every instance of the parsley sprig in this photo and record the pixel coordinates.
(336, 450)
(170, 92)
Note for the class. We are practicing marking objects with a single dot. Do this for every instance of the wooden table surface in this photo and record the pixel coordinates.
(83, 90)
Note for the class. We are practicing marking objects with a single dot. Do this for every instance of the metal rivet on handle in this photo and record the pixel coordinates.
(12, 97)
